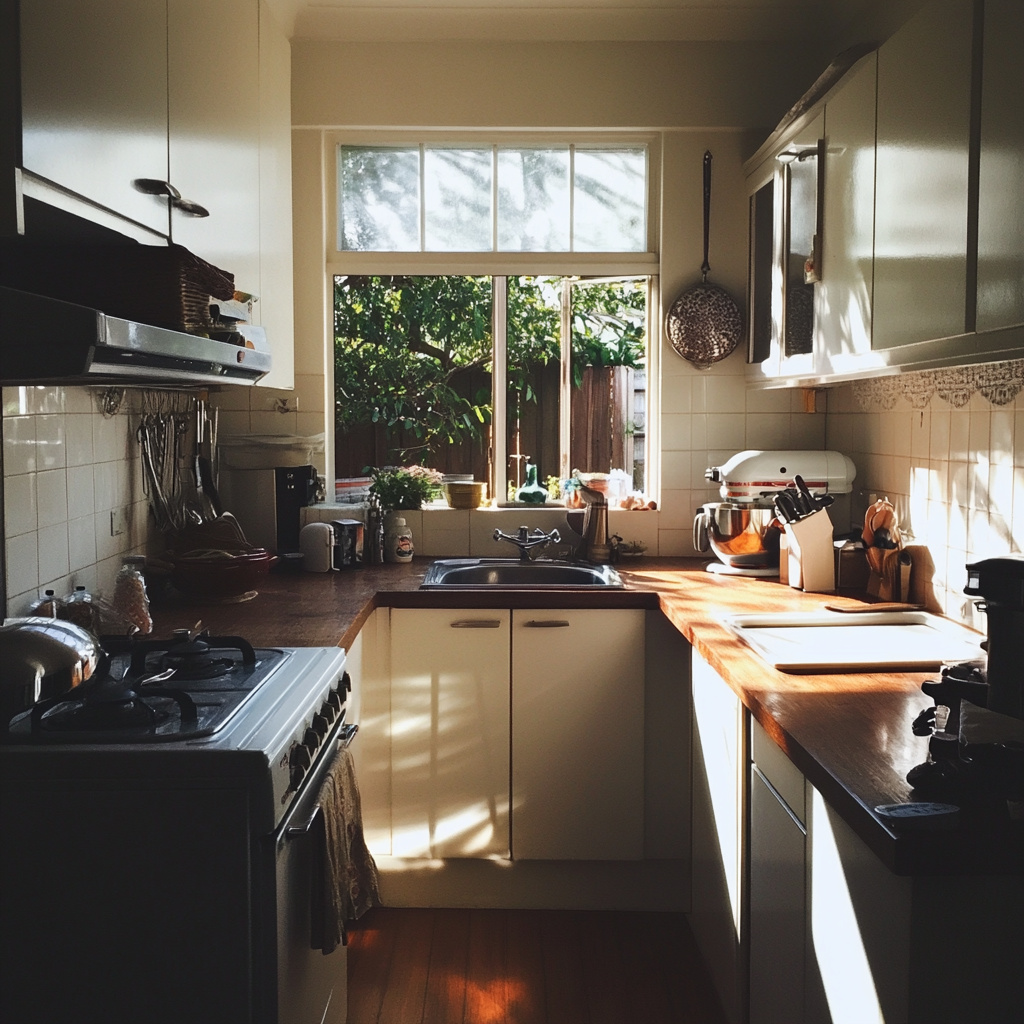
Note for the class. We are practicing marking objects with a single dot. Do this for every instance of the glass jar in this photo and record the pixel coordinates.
(79, 608)
(130, 602)
(398, 541)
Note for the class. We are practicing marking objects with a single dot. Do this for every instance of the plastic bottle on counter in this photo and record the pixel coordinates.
(130, 603)
(79, 608)
(45, 607)
(398, 541)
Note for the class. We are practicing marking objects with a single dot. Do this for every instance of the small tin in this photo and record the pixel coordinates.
(348, 543)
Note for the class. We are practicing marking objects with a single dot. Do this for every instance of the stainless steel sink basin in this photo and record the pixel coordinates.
(491, 573)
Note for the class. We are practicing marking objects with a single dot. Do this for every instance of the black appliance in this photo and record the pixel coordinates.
(267, 502)
(166, 862)
(999, 582)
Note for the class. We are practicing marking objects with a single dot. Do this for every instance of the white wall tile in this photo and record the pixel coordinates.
(108, 437)
(727, 430)
(675, 432)
(725, 394)
(105, 484)
(20, 504)
(53, 552)
(78, 440)
(50, 448)
(19, 445)
(52, 495)
(81, 542)
(675, 469)
(22, 563)
(80, 400)
(81, 493)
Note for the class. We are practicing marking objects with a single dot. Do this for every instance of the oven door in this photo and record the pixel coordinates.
(312, 988)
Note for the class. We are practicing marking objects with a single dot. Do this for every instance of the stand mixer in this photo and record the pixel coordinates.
(742, 529)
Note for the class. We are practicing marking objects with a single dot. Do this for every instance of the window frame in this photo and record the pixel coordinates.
(340, 262)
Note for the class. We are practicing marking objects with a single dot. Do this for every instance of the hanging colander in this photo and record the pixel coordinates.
(705, 323)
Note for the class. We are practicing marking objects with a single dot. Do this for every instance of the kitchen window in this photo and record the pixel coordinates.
(553, 225)
(426, 367)
(442, 198)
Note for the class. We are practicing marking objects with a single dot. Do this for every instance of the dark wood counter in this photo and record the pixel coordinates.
(848, 733)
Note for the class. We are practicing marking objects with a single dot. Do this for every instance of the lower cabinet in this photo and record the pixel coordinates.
(778, 881)
(450, 678)
(578, 734)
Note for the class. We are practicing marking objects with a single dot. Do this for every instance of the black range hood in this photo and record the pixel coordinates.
(49, 341)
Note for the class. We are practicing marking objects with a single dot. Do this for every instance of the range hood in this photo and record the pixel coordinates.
(48, 341)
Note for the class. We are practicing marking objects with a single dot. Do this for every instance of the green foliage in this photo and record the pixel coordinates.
(404, 488)
(402, 342)
(399, 342)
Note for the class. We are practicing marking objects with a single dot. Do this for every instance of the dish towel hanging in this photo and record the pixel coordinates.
(348, 875)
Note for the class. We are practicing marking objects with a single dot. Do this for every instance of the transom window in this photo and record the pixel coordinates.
(492, 198)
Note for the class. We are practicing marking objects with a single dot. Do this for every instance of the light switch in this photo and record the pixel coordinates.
(118, 521)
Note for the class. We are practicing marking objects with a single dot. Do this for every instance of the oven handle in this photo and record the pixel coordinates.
(345, 736)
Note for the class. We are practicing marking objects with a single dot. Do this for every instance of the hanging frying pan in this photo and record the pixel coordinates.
(704, 323)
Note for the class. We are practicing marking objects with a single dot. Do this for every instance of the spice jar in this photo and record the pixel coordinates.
(130, 602)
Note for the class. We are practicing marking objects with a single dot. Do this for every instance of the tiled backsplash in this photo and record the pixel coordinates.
(67, 467)
(956, 477)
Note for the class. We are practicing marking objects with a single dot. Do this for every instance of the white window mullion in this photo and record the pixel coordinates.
(572, 197)
(565, 384)
(423, 200)
(494, 198)
(499, 387)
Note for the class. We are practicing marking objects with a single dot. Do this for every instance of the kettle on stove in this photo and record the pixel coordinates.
(40, 658)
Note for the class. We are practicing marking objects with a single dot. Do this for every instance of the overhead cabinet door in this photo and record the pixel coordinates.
(214, 126)
(1001, 170)
(921, 201)
(94, 100)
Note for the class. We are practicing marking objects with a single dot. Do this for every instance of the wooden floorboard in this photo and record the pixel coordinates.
(527, 967)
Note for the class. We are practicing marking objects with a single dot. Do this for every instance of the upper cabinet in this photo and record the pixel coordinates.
(1001, 170)
(921, 177)
(166, 121)
(214, 132)
(920, 251)
(94, 104)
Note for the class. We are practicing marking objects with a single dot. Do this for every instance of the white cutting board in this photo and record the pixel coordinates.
(837, 642)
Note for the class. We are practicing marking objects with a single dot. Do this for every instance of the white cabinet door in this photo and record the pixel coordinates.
(921, 201)
(777, 906)
(275, 310)
(578, 734)
(214, 131)
(449, 732)
(1001, 170)
(94, 100)
(845, 292)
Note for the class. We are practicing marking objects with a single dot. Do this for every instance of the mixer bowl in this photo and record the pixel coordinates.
(740, 535)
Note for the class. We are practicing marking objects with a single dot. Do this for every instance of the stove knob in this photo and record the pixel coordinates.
(334, 700)
(299, 763)
(321, 726)
(329, 711)
(311, 741)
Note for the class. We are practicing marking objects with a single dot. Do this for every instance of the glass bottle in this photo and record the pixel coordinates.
(130, 603)
(45, 607)
(79, 608)
(532, 492)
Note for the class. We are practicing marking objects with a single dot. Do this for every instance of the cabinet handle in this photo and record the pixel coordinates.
(157, 187)
(475, 624)
(546, 623)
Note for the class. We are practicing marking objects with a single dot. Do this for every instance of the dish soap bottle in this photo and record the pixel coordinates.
(532, 492)
(398, 542)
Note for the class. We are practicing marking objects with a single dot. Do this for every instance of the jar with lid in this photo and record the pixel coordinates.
(78, 607)
(45, 607)
(398, 541)
(130, 602)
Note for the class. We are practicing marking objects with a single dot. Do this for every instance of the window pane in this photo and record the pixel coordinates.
(610, 200)
(533, 361)
(378, 199)
(533, 200)
(457, 196)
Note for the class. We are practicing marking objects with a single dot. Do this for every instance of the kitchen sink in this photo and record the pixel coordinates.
(491, 573)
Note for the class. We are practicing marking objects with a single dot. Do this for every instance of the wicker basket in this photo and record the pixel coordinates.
(166, 286)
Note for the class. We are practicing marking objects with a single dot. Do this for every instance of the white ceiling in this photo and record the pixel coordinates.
(567, 20)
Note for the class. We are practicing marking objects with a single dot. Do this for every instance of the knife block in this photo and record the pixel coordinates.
(811, 554)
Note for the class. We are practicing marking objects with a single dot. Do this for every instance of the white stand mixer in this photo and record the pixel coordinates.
(742, 529)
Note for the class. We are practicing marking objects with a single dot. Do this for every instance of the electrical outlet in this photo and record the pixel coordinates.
(118, 522)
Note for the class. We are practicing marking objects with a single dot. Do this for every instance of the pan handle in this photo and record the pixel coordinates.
(705, 267)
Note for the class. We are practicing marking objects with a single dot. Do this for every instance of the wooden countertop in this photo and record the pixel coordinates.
(848, 733)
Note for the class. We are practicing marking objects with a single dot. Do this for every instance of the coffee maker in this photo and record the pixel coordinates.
(999, 582)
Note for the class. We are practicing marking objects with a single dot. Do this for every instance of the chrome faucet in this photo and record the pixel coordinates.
(525, 540)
